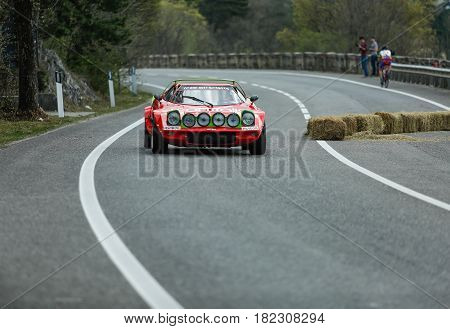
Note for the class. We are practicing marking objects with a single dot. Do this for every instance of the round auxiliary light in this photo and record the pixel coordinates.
(233, 120)
(189, 120)
(173, 118)
(248, 119)
(218, 119)
(204, 119)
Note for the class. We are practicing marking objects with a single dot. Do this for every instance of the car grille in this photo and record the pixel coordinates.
(211, 139)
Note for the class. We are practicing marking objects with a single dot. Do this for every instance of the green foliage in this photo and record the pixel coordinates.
(180, 29)
(142, 20)
(442, 27)
(87, 34)
(256, 31)
(219, 13)
(323, 25)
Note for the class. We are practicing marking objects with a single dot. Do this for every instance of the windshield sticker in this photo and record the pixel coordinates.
(206, 88)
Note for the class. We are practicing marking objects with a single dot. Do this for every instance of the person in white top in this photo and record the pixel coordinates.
(385, 60)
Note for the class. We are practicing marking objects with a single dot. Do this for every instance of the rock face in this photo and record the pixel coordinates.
(75, 90)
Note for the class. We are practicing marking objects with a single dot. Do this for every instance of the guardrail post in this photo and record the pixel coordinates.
(212, 60)
(133, 85)
(112, 99)
(59, 94)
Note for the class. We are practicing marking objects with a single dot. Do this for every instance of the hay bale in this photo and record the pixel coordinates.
(308, 128)
(446, 123)
(351, 125)
(437, 120)
(424, 121)
(337, 128)
(366, 122)
(327, 128)
(393, 122)
(409, 122)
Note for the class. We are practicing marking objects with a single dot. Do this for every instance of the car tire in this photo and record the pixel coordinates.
(159, 146)
(147, 139)
(259, 147)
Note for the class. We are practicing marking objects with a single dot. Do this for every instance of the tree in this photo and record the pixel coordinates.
(335, 25)
(442, 27)
(8, 42)
(181, 29)
(219, 13)
(28, 102)
(312, 27)
(88, 35)
(255, 31)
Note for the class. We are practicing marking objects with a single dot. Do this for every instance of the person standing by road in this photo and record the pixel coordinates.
(373, 49)
(362, 45)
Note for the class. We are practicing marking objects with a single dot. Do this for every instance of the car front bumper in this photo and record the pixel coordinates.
(204, 137)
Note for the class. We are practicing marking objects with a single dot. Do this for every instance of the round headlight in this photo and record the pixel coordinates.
(189, 120)
(173, 118)
(248, 119)
(218, 119)
(233, 120)
(203, 119)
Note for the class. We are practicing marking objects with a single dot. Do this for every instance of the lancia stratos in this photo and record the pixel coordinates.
(205, 114)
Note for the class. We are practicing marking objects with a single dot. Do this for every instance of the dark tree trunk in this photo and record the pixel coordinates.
(28, 92)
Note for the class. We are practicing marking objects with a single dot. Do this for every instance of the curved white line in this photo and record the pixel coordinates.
(426, 100)
(355, 166)
(140, 279)
(383, 180)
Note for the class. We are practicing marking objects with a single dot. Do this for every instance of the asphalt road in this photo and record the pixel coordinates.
(295, 228)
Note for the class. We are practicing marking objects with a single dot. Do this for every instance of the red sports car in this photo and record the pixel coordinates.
(204, 113)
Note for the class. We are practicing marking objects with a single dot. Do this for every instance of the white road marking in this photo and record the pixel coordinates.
(426, 100)
(383, 180)
(140, 279)
(357, 167)
(152, 85)
(292, 97)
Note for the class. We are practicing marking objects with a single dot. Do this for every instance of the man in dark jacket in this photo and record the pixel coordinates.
(362, 45)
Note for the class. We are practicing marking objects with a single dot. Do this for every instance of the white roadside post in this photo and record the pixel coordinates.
(133, 86)
(59, 94)
(111, 90)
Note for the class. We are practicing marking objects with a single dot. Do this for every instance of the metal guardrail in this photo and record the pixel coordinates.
(421, 68)
(427, 75)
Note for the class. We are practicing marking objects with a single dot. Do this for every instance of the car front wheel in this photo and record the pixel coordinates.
(147, 139)
(259, 147)
(160, 146)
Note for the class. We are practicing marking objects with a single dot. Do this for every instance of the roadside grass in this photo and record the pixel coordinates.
(381, 123)
(11, 131)
(124, 100)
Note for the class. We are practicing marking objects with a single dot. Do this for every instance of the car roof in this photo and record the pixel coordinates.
(209, 82)
(205, 82)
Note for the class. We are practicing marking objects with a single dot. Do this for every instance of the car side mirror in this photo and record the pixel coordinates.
(159, 98)
(254, 99)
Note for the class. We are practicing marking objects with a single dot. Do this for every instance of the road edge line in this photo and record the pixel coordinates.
(146, 286)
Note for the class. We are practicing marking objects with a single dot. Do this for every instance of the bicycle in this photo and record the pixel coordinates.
(385, 78)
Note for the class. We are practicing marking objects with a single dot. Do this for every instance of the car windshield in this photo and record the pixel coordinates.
(207, 95)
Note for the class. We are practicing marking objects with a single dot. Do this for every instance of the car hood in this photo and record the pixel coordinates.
(184, 109)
